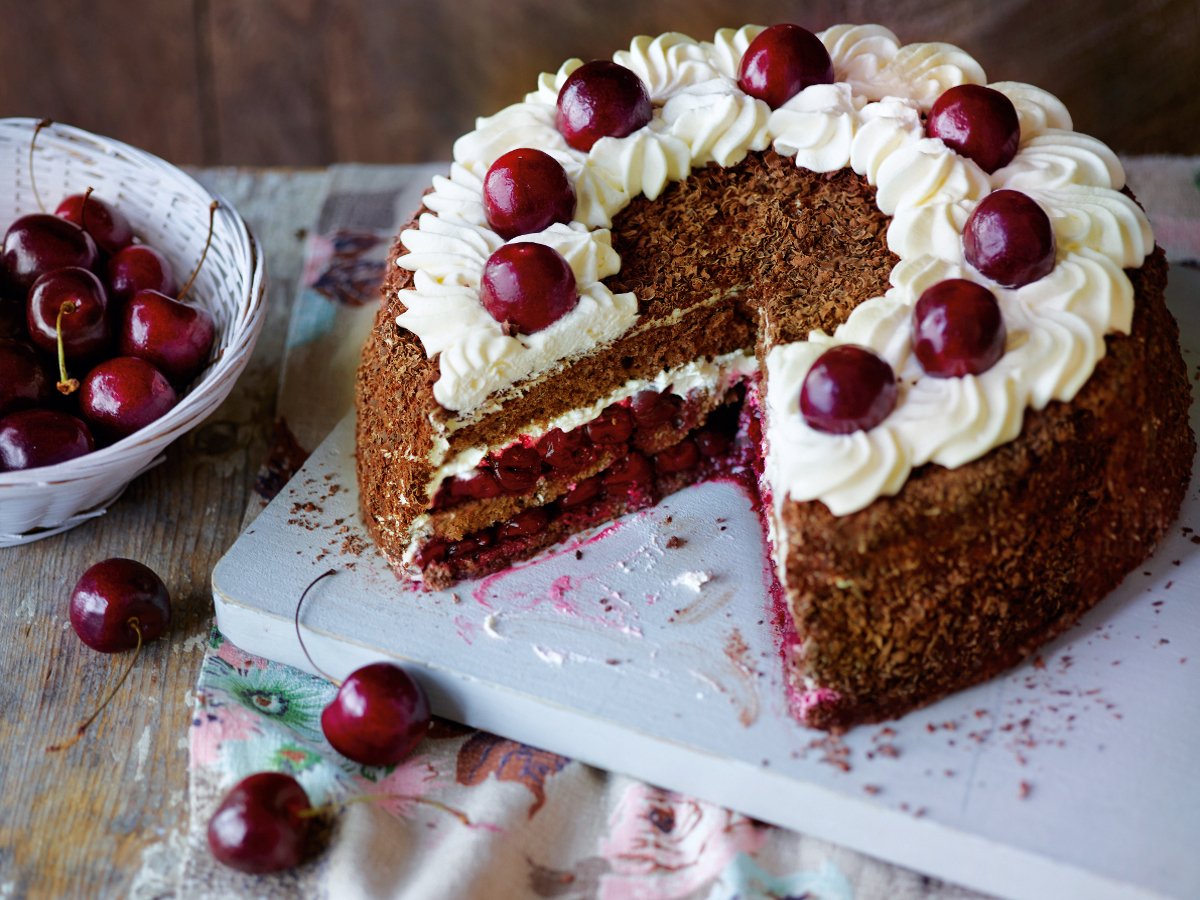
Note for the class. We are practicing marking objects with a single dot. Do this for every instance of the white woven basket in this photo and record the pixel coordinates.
(169, 210)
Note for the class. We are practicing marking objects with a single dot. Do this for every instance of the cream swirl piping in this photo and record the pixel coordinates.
(870, 120)
(443, 308)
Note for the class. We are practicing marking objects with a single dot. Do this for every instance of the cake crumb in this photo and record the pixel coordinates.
(693, 580)
(1025, 790)
(489, 627)
(674, 542)
(872, 789)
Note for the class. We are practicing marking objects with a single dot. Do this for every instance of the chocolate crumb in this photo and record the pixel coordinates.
(579, 554)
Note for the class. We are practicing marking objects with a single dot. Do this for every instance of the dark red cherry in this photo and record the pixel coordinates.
(781, 62)
(517, 468)
(1009, 239)
(472, 544)
(614, 426)
(175, 337)
(601, 99)
(40, 243)
(849, 388)
(582, 493)
(378, 716)
(652, 409)
(528, 286)
(139, 267)
(24, 381)
(262, 825)
(31, 438)
(679, 458)
(632, 469)
(957, 329)
(124, 394)
(110, 594)
(526, 191)
(480, 486)
(566, 451)
(434, 551)
(83, 303)
(12, 312)
(977, 122)
(711, 442)
(105, 223)
(525, 524)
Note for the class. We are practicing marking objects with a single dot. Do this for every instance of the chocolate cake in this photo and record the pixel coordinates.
(1001, 433)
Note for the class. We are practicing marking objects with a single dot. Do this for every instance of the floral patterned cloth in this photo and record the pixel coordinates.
(471, 814)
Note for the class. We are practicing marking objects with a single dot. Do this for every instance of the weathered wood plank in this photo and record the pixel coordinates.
(77, 823)
(298, 82)
(127, 70)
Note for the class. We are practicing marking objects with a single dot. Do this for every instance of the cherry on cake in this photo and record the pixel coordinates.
(920, 308)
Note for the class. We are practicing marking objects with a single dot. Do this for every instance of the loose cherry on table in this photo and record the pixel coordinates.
(378, 717)
(977, 122)
(1008, 238)
(528, 286)
(601, 99)
(39, 243)
(118, 604)
(107, 225)
(262, 825)
(957, 329)
(32, 438)
(526, 191)
(849, 388)
(124, 394)
(781, 62)
(379, 713)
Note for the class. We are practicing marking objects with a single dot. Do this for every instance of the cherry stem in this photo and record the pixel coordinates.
(83, 208)
(137, 650)
(32, 179)
(66, 384)
(314, 811)
(212, 214)
(300, 637)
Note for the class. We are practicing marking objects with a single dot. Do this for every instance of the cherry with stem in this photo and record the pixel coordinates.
(380, 712)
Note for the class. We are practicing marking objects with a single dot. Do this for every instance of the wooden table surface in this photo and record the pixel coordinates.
(78, 823)
(304, 82)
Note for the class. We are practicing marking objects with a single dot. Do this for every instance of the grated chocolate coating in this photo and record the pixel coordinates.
(960, 575)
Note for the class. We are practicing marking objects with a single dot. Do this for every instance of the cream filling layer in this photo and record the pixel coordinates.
(708, 375)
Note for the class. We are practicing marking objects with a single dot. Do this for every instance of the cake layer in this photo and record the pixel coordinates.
(965, 572)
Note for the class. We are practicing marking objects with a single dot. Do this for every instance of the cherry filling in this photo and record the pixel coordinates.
(632, 481)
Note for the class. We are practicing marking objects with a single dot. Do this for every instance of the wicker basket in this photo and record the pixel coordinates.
(169, 210)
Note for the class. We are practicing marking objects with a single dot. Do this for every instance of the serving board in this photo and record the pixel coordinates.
(646, 647)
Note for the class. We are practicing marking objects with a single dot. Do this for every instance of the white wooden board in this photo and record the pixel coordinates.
(1073, 775)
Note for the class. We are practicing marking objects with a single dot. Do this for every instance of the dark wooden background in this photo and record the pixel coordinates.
(311, 82)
